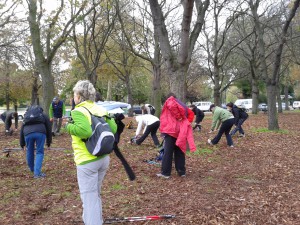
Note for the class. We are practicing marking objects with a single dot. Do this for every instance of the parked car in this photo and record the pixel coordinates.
(296, 104)
(263, 107)
(283, 106)
(244, 103)
(203, 106)
(137, 110)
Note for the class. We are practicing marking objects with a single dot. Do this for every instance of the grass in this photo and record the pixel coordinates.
(201, 152)
(117, 187)
(265, 130)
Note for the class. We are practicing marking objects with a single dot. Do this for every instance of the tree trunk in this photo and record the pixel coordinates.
(7, 97)
(47, 86)
(286, 97)
(129, 95)
(177, 82)
(109, 91)
(35, 89)
(272, 111)
(255, 93)
(156, 89)
(93, 77)
(279, 102)
(217, 95)
(43, 65)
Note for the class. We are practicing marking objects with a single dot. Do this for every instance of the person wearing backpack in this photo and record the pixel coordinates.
(151, 124)
(35, 131)
(7, 118)
(91, 169)
(57, 110)
(240, 116)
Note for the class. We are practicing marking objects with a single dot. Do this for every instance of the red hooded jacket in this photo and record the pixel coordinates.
(174, 122)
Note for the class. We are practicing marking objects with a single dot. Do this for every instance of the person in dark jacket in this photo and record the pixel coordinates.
(199, 117)
(240, 117)
(32, 135)
(56, 112)
(7, 118)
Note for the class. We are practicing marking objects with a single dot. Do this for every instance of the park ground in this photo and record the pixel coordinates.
(256, 182)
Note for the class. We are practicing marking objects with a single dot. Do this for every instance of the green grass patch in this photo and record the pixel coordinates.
(246, 178)
(49, 192)
(201, 152)
(210, 178)
(266, 130)
(210, 191)
(214, 159)
(243, 177)
(117, 187)
(15, 142)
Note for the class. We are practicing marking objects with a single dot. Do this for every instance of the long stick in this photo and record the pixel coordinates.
(20, 149)
(134, 219)
(9, 150)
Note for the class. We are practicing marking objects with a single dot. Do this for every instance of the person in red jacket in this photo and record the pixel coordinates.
(177, 132)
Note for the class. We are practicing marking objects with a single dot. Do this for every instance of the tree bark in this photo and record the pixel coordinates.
(272, 81)
(279, 102)
(109, 91)
(272, 111)
(34, 89)
(286, 97)
(156, 89)
(129, 95)
(178, 64)
(255, 93)
(47, 86)
(217, 95)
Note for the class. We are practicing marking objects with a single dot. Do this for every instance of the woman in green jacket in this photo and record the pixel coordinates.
(90, 169)
(226, 119)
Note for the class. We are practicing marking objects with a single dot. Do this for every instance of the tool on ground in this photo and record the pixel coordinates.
(134, 219)
(9, 150)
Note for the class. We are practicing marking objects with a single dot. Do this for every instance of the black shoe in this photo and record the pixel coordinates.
(53, 134)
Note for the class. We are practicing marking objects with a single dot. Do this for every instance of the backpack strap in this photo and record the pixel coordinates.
(105, 116)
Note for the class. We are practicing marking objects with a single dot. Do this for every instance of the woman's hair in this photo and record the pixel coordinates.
(171, 94)
(85, 89)
(230, 104)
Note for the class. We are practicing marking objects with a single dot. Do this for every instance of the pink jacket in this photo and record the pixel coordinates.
(174, 122)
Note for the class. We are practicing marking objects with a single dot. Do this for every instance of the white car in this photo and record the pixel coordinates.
(296, 104)
(203, 106)
(244, 103)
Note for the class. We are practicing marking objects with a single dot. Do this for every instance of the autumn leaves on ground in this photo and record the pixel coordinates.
(256, 182)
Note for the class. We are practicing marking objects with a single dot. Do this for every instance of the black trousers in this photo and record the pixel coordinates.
(152, 128)
(171, 148)
(225, 128)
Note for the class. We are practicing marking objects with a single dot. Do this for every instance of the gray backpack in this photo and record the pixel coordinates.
(102, 140)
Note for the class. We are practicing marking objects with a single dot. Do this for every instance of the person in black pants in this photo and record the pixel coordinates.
(224, 118)
(178, 133)
(7, 118)
(179, 157)
(240, 116)
(199, 117)
(151, 124)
